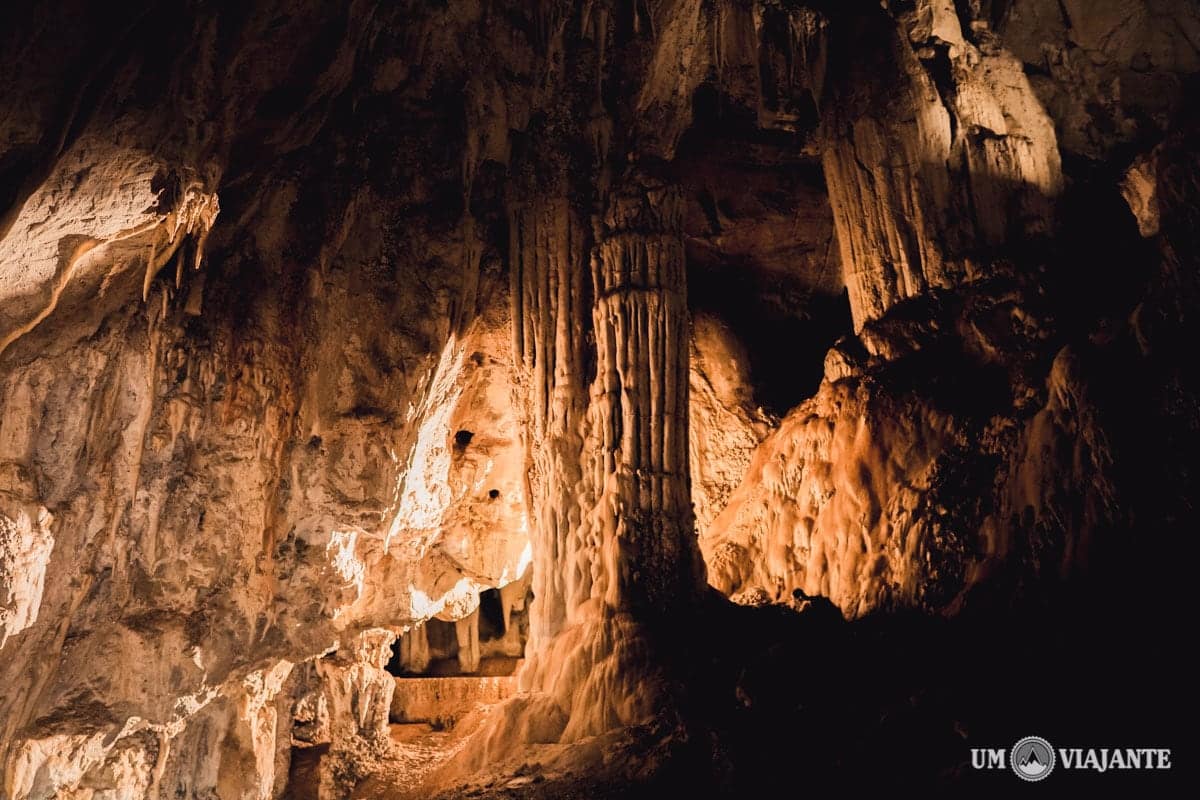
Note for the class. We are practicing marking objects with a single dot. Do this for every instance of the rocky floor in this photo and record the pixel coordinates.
(416, 750)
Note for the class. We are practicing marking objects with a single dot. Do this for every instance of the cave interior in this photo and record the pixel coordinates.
(594, 398)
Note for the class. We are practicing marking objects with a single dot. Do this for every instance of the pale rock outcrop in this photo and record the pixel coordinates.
(855, 498)
(833, 503)
(26, 542)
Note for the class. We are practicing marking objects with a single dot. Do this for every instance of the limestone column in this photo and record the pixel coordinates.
(639, 403)
(550, 297)
(601, 350)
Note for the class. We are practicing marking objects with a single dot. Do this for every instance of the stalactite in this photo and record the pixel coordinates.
(414, 650)
(193, 216)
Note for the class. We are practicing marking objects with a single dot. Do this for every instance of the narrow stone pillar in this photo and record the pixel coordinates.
(550, 295)
(466, 630)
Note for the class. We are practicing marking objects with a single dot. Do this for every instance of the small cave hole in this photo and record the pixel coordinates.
(494, 493)
(491, 615)
(463, 438)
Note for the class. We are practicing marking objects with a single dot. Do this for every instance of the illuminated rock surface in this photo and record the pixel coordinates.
(321, 321)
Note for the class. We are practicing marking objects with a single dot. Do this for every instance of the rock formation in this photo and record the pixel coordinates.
(329, 330)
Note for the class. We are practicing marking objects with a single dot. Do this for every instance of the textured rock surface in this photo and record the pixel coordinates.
(230, 464)
(880, 492)
(316, 320)
(953, 156)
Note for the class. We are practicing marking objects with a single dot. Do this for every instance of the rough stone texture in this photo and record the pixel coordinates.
(878, 493)
(725, 425)
(25, 546)
(227, 462)
(951, 156)
(1109, 73)
(860, 494)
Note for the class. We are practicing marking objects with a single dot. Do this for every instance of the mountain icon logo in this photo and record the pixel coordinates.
(1032, 758)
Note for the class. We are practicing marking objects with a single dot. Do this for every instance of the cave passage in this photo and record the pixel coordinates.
(488, 642)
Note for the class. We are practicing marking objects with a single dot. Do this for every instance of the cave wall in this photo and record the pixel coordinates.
(261, 266)
(235, 435)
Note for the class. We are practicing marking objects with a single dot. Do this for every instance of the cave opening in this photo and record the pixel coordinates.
(785, 325)
(443, 669)
(760, 244)
(488, 642)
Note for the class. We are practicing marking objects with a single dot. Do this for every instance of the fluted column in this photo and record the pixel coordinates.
(550, 297)
(602, 362)
(639, 402)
